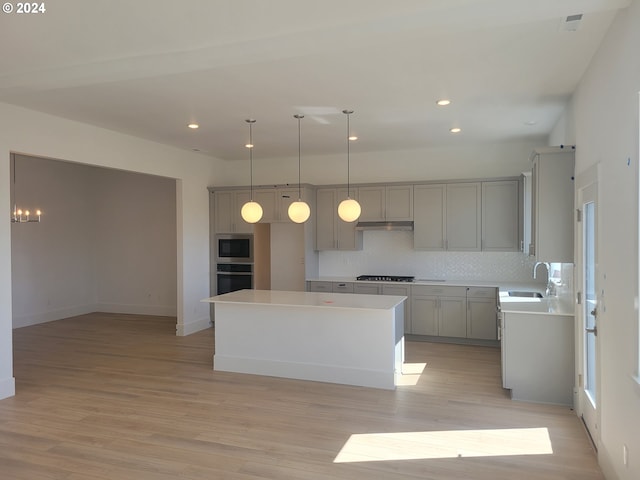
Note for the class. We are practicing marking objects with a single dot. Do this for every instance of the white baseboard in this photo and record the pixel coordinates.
(27, 320)
(7, 387)
(159, 310)
(183, 329)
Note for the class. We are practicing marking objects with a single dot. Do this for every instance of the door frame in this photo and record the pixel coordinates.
(587, 179)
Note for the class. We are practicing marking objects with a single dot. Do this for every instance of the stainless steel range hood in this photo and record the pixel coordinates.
(396, 226)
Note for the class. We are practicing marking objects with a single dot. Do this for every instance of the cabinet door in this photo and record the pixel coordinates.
(463, 216)
(368, 289)
(554, 214)
(326, 234)
(347, 237)
(267, 198)
(223, 211)
(403, 290)
(227, 206)
(500, 216)
(399, 202)
(424, 315)
(372, 202)
(482, 318)
(452, 318)
(428, 216)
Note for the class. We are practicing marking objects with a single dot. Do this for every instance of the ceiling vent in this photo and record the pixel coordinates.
(571, 23)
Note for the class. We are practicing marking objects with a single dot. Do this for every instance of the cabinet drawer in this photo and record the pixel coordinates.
(342, 287)
(481, 292)
(438, 290)
(368, 289)
(320, 286)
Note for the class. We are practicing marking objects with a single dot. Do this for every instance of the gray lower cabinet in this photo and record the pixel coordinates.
(342, 287)
(455, 312)
(438, 311)
(424, 319)
(482, 313)
(319, 286)
(367, 289)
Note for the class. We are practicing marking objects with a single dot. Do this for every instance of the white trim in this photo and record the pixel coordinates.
(183, 329)
(7, 387)
(158, 310)
(44, 317)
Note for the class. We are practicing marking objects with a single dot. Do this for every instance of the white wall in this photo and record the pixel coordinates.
(603, 123)
(479, 161)
(38, 134)
(52, 262)
(107, 242)
(135, 238)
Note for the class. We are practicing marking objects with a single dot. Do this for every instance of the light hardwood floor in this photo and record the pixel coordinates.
(106, 396)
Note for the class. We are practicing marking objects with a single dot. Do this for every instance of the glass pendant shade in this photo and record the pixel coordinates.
(349, 210)
(251, 212)
(299, 212)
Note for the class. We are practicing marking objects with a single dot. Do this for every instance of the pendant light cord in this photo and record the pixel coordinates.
(348, 113)
(250, 121)
(299, 117)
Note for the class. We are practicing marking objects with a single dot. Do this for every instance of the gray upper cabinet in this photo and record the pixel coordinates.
(227, 206)
(447, 216)
(331, 232)
(386, 203)
(399, 203)
(372, 202)
(552, 190)
(268, 200)
(429, 220)
(500, 216)
(463, 216)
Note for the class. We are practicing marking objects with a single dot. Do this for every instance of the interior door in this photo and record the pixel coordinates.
(588, 362)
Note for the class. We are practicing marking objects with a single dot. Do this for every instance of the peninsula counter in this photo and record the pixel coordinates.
(328, 337)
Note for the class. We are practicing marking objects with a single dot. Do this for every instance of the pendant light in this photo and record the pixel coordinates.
(251, 211)
(299, 211)
(349, 209)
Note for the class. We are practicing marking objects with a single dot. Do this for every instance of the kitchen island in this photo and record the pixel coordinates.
(339, 338)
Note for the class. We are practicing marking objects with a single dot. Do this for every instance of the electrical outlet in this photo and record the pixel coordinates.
(625, 455)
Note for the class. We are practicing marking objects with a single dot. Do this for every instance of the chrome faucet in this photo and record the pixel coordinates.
(550, 288)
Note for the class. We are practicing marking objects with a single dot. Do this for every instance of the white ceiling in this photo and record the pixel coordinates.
(149, 67)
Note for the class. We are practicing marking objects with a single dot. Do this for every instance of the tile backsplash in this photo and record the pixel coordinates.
(392, 253)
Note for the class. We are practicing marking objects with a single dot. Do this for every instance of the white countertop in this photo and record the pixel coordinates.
(309, 299)
(547, 305)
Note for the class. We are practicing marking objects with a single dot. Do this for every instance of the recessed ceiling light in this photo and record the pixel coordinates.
(193, 126)
(249, 145)
(530, 122)
(353, 137)
(455, 130)
(443, 103)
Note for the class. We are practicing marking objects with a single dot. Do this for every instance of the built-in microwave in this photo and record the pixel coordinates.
(234, 248)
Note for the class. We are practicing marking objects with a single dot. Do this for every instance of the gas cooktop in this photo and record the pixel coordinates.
(385, 278)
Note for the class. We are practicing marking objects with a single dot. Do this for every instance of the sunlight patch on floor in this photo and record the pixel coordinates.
(410, 374)
(377, 447)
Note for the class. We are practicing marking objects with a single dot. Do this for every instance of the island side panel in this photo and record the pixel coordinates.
(330, 344)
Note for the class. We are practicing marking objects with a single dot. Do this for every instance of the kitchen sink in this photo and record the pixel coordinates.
(519, 293)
